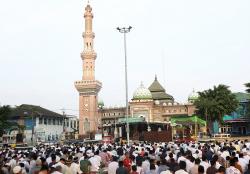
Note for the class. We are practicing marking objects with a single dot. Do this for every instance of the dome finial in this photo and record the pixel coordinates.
(142, 84)
(142, 93)
(155, 77)
(193, 96)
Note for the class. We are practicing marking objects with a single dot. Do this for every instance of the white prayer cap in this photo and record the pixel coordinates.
(17, 169)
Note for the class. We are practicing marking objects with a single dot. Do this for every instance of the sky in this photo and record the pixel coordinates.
(189, 45)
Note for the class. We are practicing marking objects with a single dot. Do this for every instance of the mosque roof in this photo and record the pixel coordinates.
(156, 86)
(158, 92)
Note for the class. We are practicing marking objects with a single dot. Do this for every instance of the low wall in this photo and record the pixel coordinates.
(155, 136)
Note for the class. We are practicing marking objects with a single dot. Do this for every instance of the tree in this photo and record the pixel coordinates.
(213, 104)
(247, 85)
(4, 119)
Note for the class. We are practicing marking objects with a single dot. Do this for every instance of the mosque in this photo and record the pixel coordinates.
(150, 109)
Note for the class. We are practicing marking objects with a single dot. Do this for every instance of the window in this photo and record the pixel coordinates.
(67, 123)
(45, 120)
(40, 120)
(74, 124)
(54, 121)
(71, 124)
(49, 121)
(86, 125)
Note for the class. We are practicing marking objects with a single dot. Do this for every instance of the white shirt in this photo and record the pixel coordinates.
(205, 165)
(112, 167)
(145, 166)
(232, 170)
(64, 167)
(189, 165)
(181, 172)
(95, 163)
(217, 165)
(74, 168)
(225, 154)
(243, 163)
(246, 157)
(181, 158)
(48, 160)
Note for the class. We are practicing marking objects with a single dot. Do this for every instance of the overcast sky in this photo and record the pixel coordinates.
(187, 43)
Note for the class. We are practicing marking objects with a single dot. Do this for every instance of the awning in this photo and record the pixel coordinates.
(227, 117)
(131, 120)
(188, 120)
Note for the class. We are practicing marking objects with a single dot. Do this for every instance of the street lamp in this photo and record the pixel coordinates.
(32, 118)
(124, 31)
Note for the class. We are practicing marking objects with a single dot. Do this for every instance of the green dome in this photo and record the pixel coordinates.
(193, 96)
(142, 93)
(100, 103)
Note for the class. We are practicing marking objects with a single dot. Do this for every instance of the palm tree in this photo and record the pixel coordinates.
(213, 104)
(247, 85)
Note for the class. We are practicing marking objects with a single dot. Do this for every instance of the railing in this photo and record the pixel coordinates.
(221, 135)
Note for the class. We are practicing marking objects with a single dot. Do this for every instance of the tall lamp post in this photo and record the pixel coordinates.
(124, 31)
(32, 118)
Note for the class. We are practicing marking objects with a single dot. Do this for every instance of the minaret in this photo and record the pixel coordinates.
(88, 87)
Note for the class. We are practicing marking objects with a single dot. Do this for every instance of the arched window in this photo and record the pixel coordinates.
(86, 125)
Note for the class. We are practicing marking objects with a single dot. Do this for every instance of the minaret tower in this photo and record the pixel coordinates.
(88, 87)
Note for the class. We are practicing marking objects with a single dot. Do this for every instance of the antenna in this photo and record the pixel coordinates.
(163, 68)
(63, 111)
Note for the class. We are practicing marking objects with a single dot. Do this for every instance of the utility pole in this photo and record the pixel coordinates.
(124, 31)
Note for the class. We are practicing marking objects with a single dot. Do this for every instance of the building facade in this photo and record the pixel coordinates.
(150, 106)
(238, 122)
(88, 87)
(36, 123)
(71, 127)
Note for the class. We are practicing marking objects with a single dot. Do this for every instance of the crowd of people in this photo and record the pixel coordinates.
(137, 158)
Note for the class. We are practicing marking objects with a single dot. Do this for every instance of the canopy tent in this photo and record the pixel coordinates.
(227, 117)
(187, 120)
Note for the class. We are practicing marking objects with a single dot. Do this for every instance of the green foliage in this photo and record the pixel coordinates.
(4, 119)
(247, 85)
(214, 103)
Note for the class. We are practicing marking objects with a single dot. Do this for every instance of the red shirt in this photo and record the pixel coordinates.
(127, 163)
